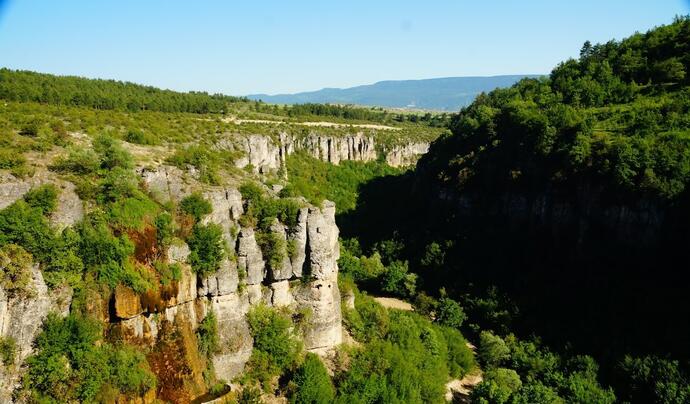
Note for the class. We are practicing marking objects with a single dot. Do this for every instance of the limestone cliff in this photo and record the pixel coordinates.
(164, 320)
(264, 153)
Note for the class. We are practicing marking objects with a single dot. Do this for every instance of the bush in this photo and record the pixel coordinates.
(140, 137)
(449, 313)
(8, 350)
(207, 335)
(132, 213)
(15, 270)
(368, 321)
(78, 161)
(164, 229)
(26, 226)
(206, 245)
(71, 363)
(497, 387)
(492, 351)
(112, 153)
(196, 206)
(275, 347)
(43, 198)
(460, 357)
(273, 248)
(398, 281)
(312, 383)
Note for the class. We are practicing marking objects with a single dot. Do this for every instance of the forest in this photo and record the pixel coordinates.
(555, 213)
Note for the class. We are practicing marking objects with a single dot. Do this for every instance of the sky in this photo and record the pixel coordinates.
(287, 46)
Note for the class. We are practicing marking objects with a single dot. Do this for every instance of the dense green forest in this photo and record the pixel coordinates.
(555, 212)
(27, 86)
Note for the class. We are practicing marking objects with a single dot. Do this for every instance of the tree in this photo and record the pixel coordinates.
(492, 350)
(313, 385)
(497, 387)
(206, 245)
(449, 313)
(196, 206)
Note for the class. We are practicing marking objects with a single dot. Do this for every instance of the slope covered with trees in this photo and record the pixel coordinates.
(559, 208)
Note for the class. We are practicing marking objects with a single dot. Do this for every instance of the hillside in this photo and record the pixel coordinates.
(558, 208)
(153, 249)
(442, 94)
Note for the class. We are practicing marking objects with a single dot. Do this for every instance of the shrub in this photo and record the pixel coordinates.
(273, 248)
(460, 359)
(449, 313)
(24, 225)
(164, 229)
(207, 335)
(80, 161)
(312, 383)
(196, 206)
(206, 161)
(141, 137)
(206, 245)
(8, 350)
(397, 280)
(369, 320)
(112, 153)
(43, 198)
(497, 387)
(275, 347)
(71, 363)
(11, 159)
(15, 272)
(492, 350)
(132, 213)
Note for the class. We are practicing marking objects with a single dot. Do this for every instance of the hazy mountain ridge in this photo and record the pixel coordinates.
(446, 94)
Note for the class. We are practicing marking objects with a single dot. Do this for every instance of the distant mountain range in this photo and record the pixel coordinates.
(442, 94)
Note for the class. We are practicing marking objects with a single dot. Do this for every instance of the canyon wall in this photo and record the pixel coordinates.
(164, 320)
(265, 153)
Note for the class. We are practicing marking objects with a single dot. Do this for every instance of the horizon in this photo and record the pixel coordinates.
(293, 48)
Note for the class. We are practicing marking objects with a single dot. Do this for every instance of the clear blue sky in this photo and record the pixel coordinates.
(287, 46)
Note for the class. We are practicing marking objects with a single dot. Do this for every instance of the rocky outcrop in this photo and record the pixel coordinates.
(69, 210)
(302, 278)
(324, 249)
(282, 268)
(265, 153)
(406, 155)
(249, 258)
(333, 149)
(21, 319)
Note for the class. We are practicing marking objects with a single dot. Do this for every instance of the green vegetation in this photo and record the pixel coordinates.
(404, 358)
(72, 363)
(543, 213)
(8, 350)
(196, 206)
(16, 85)
(275, 347)
(15, 271)
(207, 248)
(317, 180)
(207, 335)
(312, 383)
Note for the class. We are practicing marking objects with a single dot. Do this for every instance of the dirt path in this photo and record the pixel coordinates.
(319, 124)
(458, 390)
(393, 303)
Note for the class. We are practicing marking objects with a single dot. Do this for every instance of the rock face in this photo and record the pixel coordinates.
(302, 278)
(21, 320)
(70, 209)
(265, 153)
(406, 155)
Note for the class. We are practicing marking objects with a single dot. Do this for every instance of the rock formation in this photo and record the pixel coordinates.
(265, 153)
